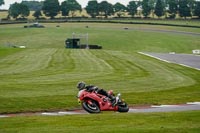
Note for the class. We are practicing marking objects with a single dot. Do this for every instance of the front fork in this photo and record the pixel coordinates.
(79, 101)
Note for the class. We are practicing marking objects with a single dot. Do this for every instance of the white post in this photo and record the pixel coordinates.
(87, 47)
(73, 34)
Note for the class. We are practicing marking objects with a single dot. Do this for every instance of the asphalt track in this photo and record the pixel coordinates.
(164, 31)
(137, 109)
(188, 60)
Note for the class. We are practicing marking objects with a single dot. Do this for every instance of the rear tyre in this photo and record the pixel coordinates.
(123, 107)
(91, 108)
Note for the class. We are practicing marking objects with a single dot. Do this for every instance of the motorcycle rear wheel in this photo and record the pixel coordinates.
(94, 108)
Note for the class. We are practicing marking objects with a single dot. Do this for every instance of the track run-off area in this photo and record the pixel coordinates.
(187, 60)
(42, 73)
(138, 109)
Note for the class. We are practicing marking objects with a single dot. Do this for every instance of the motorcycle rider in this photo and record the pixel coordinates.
(81, 85)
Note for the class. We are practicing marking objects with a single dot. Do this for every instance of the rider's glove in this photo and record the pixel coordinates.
(95, 88)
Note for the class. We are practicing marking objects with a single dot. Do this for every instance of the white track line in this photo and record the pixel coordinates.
(62, 113)
(154, 57)
(167, 60)
(71, 113)
(3, 116)
(163, 106)
(189, 66)
(50, 113)
(196, 103)
(153, 108)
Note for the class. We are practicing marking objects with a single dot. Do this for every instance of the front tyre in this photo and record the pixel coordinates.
(91, 108)
(123, 107)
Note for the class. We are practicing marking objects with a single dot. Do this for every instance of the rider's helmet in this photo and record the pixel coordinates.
(81, 85)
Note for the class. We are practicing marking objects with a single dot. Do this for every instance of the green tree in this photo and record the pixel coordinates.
(1, 2)
(151, 4)
(37, 14)
(92, 8)
(119, 9)
(24, 10)
(33, 5)
(70, 6)
(14, 10)
(146, 9)
(197, 9)
(159, 8)
(106, 9)
(18, 9)
(51, 8)
(172, 8)
(192, 5)
(132, 8)
(184, 9)
(64, 9)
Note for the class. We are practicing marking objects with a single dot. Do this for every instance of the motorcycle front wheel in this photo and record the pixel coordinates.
(91, 108)
(123, 107)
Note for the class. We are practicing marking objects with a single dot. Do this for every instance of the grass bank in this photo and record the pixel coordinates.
(176, 122)
(44, 75)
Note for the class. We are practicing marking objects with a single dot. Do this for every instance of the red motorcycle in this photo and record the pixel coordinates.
(93, 102)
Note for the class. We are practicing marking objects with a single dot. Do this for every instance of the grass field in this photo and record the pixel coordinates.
(44, 76)
(177, 122)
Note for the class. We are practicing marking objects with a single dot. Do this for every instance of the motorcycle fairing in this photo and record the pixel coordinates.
(103, 101)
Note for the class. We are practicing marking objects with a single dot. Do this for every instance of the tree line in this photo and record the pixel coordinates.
(142, 8)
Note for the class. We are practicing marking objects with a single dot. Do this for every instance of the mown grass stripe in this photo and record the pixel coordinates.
(47, 78)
